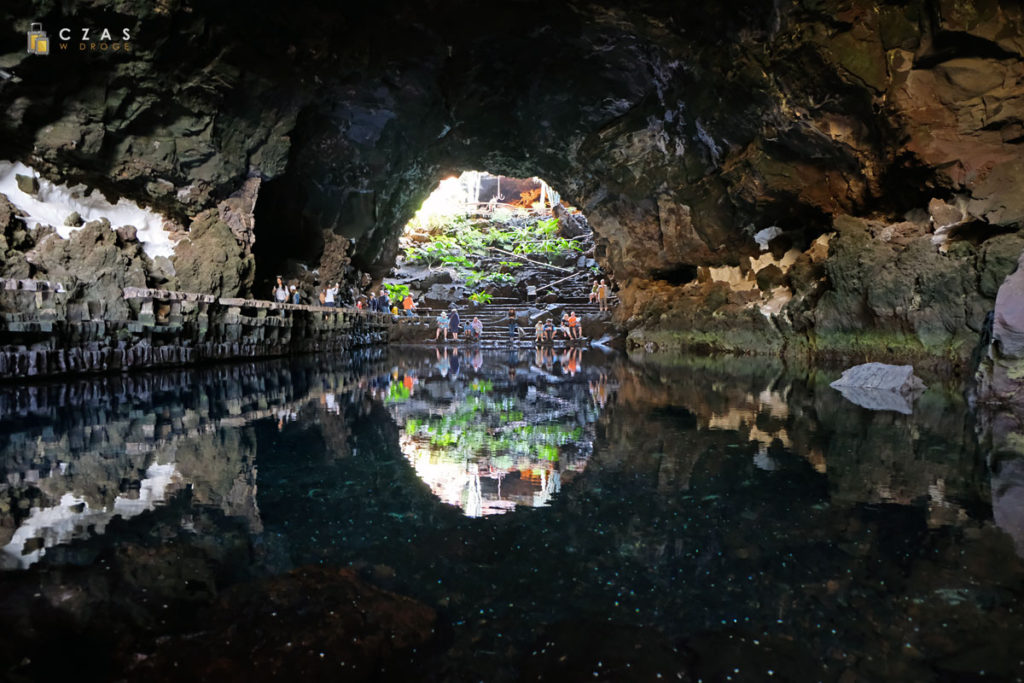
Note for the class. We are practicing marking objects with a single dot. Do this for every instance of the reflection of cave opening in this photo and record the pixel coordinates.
(488, 238)
(489, 440)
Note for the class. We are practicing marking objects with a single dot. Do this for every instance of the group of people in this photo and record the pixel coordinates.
(450, 321)
(382, 303)
(569, 326)
(328, 296)
(286, 294)
(599, 293)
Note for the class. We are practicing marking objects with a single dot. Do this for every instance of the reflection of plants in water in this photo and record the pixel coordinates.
(398, 392)
(484, 386)
(498, 429)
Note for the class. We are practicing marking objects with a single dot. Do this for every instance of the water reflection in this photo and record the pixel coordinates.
(500, 434)
(694, 519)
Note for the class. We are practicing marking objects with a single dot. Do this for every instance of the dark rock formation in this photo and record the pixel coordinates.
(681, 130)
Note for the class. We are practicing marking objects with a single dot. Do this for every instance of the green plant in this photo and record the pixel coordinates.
(396, 291)
(481, 297)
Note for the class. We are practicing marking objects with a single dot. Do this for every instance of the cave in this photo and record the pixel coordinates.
(807, 358)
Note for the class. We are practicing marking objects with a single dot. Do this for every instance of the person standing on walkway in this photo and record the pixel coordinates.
(454, 323)
(513, 326)
(280, 291)
(602, 296)
(330, 295)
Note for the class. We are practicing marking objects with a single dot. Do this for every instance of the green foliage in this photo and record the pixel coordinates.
(476, 279)
(396, 291)
(397, 393)
(547, 452)
(460, 239)
(481, 297)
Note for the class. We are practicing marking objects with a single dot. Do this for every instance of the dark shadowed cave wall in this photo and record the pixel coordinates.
(881, 141)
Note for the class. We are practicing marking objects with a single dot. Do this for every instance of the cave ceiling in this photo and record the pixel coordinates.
(679, 128)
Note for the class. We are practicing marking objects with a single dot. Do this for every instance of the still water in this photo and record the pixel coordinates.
(445, 515)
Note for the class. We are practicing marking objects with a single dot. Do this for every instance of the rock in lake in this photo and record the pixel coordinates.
(878, 386)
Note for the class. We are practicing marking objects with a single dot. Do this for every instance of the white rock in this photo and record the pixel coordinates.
(878, 386)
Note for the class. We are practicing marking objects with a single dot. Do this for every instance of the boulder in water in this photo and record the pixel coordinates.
(878, 386)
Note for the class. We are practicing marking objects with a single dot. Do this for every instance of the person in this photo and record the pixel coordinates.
(513, 326)
(296, 295)
(476, 328)
(454, 324)
(331, 295)
(280, 293)
(408, 305)
(359, 304)
(593, 292)
(382, 301)
(442, 325)
(575, 329)
(538, 333)
(563, 326)
(602, 296)
(549, 330)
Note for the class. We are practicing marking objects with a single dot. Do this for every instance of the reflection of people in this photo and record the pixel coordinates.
(478, 361)
(442, 362)
(599, 390)
(454, 364)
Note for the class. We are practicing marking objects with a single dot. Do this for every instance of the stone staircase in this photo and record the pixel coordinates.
(494, 317)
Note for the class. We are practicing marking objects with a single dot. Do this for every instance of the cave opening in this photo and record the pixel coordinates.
(486, 238)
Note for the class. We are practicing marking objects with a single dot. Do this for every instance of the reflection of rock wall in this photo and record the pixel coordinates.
(75, 455)
(868, 457)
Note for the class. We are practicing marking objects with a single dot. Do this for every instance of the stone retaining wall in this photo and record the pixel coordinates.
(47, 330)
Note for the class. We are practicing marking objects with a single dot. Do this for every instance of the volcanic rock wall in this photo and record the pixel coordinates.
(305, 136)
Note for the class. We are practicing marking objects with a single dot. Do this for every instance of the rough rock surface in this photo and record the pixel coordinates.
(212, 260)
(95, 264)
(681, 130)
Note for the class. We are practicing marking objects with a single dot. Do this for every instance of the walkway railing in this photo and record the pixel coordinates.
(45, 330)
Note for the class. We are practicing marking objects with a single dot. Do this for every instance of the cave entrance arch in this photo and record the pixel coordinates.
(482, 237)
